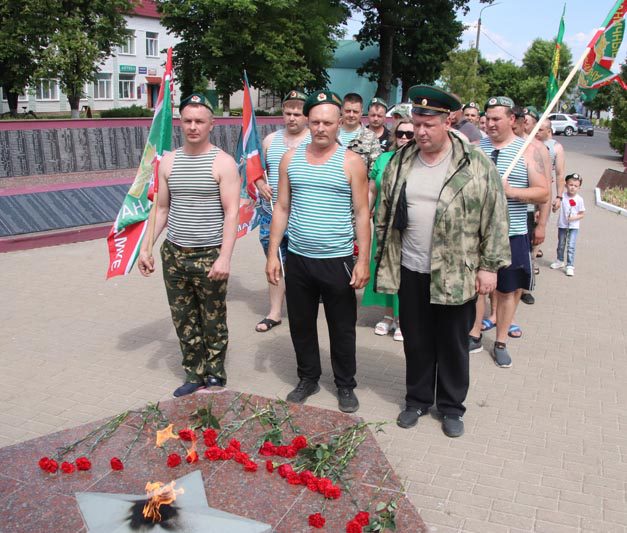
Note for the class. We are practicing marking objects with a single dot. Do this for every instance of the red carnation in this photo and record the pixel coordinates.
(316, 520)
(299, 442)
(235, 444)
(572, 202)
(270, 466)
(48, 465)
(192, 457)
(353, 527)
(323, 483)
(174, 459)
(250, 466)
(67, 468)
(82, 463)
(293, 478)
(332, 492)
(228, 453)
(290, 452)
(187, 435)
(363, 518)
(312, 485)
(213, 453)
(267, 449)
(210, 436)
(306, 477)
(241, 457)
(116, 464)
(284, 470)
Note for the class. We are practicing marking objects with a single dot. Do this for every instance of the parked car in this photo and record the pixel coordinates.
(584, 125)
(562, 123)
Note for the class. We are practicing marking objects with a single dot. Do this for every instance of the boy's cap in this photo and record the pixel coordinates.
(195, 98)
(321, 97)
(574, 176)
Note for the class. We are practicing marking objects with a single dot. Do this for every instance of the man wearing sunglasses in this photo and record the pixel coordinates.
(442, 233)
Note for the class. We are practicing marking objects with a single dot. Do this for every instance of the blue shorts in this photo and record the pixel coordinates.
(519, 275)
(264, 235)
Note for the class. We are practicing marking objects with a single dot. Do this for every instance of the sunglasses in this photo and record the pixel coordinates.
(407, 134)
(495, 156)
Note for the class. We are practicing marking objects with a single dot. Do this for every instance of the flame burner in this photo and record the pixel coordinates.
(168, 517)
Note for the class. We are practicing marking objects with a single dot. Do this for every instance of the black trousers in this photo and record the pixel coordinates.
(306, 280)
(436, 346)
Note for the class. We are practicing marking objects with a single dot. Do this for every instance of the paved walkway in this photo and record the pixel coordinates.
(545, 447)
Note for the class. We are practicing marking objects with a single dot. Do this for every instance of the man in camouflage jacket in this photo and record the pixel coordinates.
(442, 228)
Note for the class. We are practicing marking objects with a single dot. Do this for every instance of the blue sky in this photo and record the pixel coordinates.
(508, 27)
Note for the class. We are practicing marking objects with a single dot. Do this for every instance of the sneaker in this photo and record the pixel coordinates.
(398, 335)
(452, 426)
(527, 298)
(303, 390)
(501, 355)
(408, 418)
(570, 271)
(347, 401)
(557, 264)
(474, 344)
(187, 388)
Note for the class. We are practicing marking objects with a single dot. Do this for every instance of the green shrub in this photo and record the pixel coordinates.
(615, 196)
(132, 111)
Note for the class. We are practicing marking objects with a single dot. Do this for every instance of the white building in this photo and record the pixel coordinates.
(132, 76)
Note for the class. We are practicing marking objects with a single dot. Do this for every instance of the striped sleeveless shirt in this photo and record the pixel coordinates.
(196, 217)
(276, 150)
(347, 136)
(320, 222)
(518, 178)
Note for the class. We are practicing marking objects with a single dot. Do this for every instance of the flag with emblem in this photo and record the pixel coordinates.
(129, 228)
(595, 71)
(251, 163)
(553, 86)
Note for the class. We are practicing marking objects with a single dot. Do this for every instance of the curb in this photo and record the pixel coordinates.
(605, 205)
(53, 238)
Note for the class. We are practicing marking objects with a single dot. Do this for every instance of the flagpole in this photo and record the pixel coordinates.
(153, 221)
(551, 105)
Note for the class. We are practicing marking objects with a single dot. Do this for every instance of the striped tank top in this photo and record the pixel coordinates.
(273, 158)
(518, 178)
(196, 217)
(320, 222)
(347, 136)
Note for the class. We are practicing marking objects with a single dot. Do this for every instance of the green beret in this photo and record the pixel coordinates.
(378, 101)
(531, 110)
(429, 100)
(473, 105)
(195, 98)
(295, 95)
(496, 101)
(321, 97)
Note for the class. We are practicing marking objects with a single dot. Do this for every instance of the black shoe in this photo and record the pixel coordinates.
(409, 417)
(528, 298)
(474, 344)
(347, 401)
(303, 390)
(187, 388)
(212, 381)
(452, 425)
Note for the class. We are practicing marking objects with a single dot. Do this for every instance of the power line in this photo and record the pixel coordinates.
(499, 46)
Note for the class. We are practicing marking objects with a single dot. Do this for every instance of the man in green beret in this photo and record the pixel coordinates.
(471, 113)
(376, 121)
(442, 233)
(321, 185)
(354, 135)
(275, 145)
(199, 187)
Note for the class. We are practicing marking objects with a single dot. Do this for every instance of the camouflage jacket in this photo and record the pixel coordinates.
(367, 145)
(470, 230)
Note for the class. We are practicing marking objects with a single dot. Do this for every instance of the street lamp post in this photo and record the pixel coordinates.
(479, 30)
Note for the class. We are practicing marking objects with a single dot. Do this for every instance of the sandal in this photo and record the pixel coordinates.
(268, 322)
(487, 324)
(383, 327)
(539, 253)
(515, 332)
(398, 336)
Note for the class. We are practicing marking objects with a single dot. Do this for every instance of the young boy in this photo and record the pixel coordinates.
(572, 211)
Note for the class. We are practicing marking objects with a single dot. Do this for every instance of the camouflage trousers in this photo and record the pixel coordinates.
(198, 308)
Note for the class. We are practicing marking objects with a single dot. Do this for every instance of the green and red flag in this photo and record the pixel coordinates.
(251, 163)
(129, 228)
(553, 86)
(595, 71)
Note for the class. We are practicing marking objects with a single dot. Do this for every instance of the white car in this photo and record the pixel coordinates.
(562, 123)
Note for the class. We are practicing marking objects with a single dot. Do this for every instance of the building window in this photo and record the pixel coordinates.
(127, 86)
(102, 87)
(152, 44)
(47, 90)
(128, 48)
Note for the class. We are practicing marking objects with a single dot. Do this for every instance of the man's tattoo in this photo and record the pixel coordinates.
(537, 157)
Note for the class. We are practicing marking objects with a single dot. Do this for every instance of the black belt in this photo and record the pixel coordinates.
(192, 249)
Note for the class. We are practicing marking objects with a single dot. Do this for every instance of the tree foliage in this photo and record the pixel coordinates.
(618, 129)
(83, 34)
(504, 78)
(460, 75)
(281, 44)
(414, 38)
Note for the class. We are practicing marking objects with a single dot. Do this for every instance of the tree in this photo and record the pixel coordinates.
(22, 38)
(83, 34)
(504, 78)
(460, 76)
(618, 129)
(603, 99)
(414, 38)
(282, 44)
